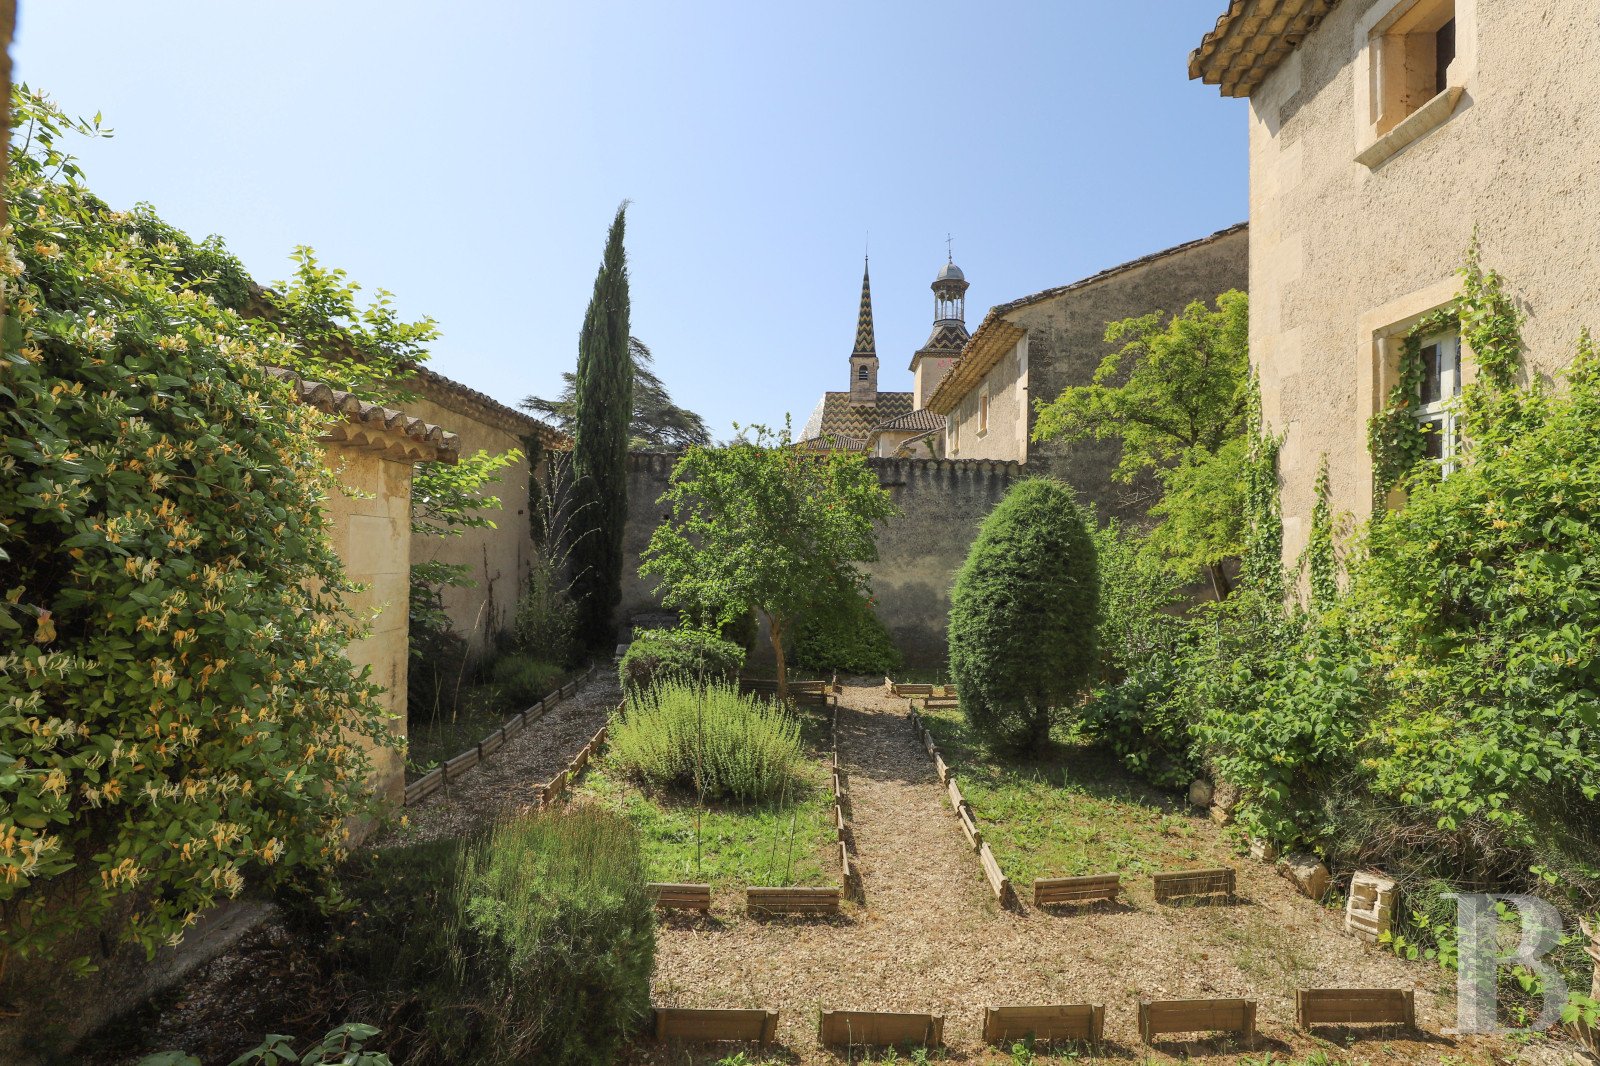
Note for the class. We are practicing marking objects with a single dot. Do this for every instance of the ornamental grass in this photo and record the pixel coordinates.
(709, 738)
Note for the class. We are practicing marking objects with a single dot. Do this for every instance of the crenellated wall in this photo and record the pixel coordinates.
(941, 502)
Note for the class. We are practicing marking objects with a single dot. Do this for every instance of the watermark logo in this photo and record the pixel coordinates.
(1478, 943)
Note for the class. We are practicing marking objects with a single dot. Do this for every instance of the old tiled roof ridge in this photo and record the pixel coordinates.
(1120, 268)
(994, 334)
(445, 446)
(1250, 39)
(259, 304)
(920, 419)
(550, 436)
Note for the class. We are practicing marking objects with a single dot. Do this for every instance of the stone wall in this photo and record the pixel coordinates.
(370, 527)
(1039, 345)
(497, 559)
(1344, 256)
(942, 503)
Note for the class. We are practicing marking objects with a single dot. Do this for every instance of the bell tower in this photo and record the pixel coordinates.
(864, 358)
(935, 358)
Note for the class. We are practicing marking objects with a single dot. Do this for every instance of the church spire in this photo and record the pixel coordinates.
(864, 341)
(864, 358)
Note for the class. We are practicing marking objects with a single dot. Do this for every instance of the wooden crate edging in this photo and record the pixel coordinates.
(879, 1028)
(1162, 1016)
(1222, 880)
(1075, 1021)
(1355, 1006)
(707, 1025)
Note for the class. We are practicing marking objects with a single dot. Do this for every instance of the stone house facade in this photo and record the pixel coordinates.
(497, 559)
(373, 449)
(1383, 135)
(1032, 348)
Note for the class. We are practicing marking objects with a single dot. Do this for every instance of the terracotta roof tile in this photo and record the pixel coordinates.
(421, 441)
(1251, 38)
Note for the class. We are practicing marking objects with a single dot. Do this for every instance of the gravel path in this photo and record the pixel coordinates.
(930, 937)
(509, 780)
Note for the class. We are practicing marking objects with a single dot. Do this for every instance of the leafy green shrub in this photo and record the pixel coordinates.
(1278, 701)
(523, 679)
(533, 942)
(1481, 601)
(845, 636)
(546, 620)
(1133, 711)
(1023, 615)
(661, 655)
(178, 717)
(710, 738)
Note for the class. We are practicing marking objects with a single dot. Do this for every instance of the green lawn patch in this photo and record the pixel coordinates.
(727, 844)
(1070, 810)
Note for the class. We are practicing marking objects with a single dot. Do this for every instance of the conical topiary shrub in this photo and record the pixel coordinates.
(1023, 614)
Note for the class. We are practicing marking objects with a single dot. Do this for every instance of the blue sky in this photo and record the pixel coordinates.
(468, 157)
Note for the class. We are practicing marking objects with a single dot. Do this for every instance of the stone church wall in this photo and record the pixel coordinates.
(942, 502)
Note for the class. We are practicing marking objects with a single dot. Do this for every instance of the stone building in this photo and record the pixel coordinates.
(373, 450)
(892, 425)
(841, 421)
(1383, 135)
(497, 559)
(1032, 348)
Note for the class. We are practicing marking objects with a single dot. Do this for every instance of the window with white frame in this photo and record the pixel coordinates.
(1441, 385)
(983, 410)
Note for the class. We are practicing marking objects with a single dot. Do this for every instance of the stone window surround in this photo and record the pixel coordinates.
(983, 412)
(1380, 333)
(1373, 148)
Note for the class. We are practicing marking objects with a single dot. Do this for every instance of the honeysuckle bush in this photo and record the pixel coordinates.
(178, 720)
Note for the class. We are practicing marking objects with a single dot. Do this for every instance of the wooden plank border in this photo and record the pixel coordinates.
(670, 897)
(1048, 891)
(1082, 1022)
(802, 899)
(1195, 883)
(701, 1025)
(966, 818)
(857, 1028)
(1355, 1006)
(452, 769)
(1161, 1016)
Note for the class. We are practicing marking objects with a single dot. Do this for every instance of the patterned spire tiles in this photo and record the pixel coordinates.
(865, 344)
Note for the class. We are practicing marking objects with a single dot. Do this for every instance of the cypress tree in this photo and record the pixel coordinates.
(604, 402)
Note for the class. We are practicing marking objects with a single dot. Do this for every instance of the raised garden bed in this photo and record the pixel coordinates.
(728, 845)
(1070, 811)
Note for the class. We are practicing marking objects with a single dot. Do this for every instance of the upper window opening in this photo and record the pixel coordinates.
(1444, 53)
(861, 374)
(1412, 56)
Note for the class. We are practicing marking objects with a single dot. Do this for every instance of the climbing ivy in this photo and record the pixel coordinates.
(1262, 560)
(1490, 328)
(1321, 559)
